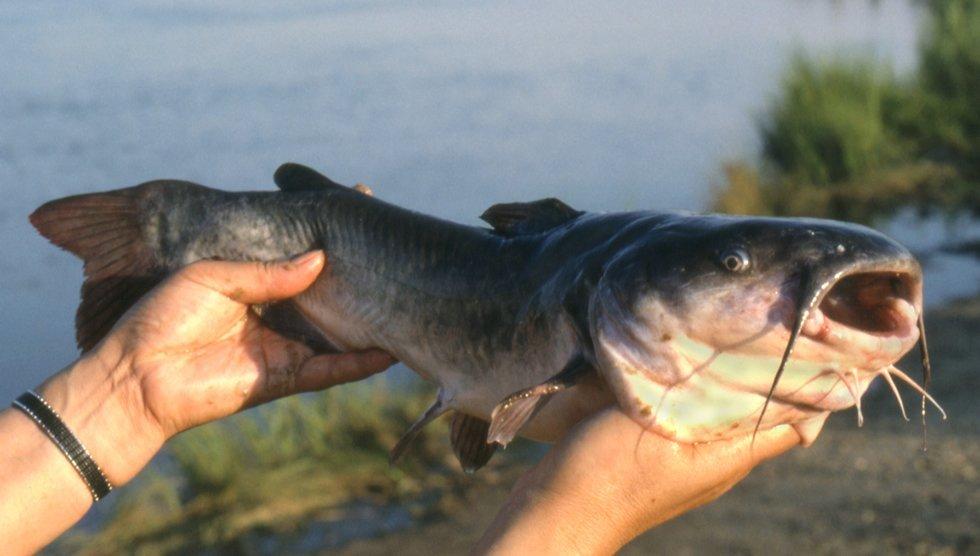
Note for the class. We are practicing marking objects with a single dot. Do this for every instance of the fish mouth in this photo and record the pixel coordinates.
(874, 308)
(875, 311)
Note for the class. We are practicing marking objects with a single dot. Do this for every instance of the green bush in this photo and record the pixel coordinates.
(833, 121)
(949, 78)
(847, 139)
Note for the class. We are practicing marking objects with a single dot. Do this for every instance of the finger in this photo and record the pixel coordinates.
(324, 371)
(258, 282)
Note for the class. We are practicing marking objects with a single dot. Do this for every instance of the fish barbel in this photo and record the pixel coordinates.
(700, 327)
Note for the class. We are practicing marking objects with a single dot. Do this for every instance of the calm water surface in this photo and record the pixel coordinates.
(445, 107)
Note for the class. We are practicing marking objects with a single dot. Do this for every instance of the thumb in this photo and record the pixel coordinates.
(771, 443)
(258, 282)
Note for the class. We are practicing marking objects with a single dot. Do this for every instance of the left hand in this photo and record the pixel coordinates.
(191, 352)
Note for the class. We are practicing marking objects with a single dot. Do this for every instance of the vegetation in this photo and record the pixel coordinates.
(846, 138)
(275, 469)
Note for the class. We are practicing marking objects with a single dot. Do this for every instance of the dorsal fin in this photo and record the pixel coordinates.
(512, 219)
(292, 177)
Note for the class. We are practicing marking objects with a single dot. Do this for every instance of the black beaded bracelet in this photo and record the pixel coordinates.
(48, 420)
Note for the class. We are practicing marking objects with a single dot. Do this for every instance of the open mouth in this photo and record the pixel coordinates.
(881, 304)
(874, 313)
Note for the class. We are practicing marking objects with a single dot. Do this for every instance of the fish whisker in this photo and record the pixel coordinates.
(802, 313)
(898, 397)
(853, 390)
(926, 374)
(925, 395)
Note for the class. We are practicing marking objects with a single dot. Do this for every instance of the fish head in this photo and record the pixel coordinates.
(693, 321)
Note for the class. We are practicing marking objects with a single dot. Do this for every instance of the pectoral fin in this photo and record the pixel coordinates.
(435, 410)
(288, 320)
(469, 439)
(516, 410)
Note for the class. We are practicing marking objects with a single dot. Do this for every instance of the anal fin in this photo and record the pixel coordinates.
(516, 410)
(435, 410)
(104, 302)
(469, 439)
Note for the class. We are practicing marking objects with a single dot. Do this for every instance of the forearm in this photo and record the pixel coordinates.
(41, 494)
(190, 352)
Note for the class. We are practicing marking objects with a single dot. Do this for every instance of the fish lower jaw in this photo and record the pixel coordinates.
(724, 400)
(680, 430)
(897, 335)
(703, 409)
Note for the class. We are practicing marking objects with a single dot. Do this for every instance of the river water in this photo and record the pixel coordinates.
(441, 106)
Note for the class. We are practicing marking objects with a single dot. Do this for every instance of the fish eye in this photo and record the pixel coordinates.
(735, 260)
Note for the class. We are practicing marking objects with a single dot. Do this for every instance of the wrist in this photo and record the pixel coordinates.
(546, 514)
(100, 401)
(538, 521)
(590, 518)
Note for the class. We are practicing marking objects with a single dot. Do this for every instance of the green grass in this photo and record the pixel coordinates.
(274, 469)
(949, 77)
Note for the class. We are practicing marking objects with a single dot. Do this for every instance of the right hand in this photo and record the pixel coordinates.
(609, 480)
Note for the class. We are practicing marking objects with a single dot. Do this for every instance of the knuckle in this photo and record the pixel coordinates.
(196, 268)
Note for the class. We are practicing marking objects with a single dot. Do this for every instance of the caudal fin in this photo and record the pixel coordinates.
(103, 229)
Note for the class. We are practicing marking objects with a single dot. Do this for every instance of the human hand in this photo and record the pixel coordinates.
(191, 352)
(609, 480)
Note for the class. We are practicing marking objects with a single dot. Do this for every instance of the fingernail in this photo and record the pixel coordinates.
(306, 259)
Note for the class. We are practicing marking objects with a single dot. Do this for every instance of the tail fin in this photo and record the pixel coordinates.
(103, 229)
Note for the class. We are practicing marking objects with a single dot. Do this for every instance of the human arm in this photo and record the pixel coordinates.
(608, 480)
(189, 353)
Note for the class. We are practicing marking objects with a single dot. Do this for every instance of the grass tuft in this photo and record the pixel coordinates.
(272, 470)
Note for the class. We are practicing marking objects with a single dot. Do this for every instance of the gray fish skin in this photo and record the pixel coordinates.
(484, 314)
(479, 314)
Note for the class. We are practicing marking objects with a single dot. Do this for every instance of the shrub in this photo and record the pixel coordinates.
(847, 139)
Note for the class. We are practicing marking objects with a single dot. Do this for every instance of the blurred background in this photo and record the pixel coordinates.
(860, 110)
